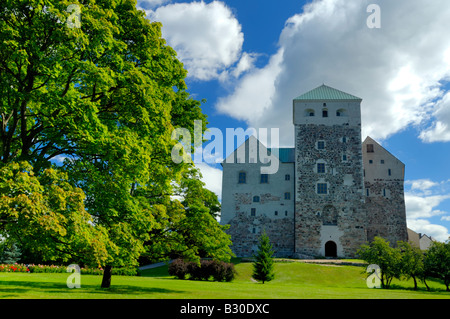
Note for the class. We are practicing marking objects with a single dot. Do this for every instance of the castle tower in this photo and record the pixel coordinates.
(385, 201)
(330, 218)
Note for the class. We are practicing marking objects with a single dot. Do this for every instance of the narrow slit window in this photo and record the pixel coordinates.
(264, 178)
(242, 178)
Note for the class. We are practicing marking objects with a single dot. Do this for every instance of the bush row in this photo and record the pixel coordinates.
(63, 269)
(217, 270)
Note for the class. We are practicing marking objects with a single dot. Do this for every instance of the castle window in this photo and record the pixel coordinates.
(254, 230)
(322, 188)
(242, 178)
(320, 168)
(344, 139)
(344, 158)
(324, 113)
(256, 199)
(341, 112)
(370, 162)
(253, 212)
(276, 213)
(264, 178)
(382, 161)
(285, 213)
(287, 177)
(309, 113)
(321, 145)
(389, 172)
(369, 148)
(287, 196)
(384, 192)
(367, 191)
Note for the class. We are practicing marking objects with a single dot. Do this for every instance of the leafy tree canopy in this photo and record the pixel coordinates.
(103, 97)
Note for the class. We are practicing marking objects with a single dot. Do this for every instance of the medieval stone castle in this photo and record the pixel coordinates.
(331, 193)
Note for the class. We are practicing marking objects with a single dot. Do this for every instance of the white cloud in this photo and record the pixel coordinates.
(150, 4)
(396, 69)
(438, 232)
(207, 37)
(422, 202)
(422, 185)
(212, 177)
(423, 206)
(440, 130)
(252, 97)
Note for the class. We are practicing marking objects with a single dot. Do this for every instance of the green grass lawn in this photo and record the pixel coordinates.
(293, 280)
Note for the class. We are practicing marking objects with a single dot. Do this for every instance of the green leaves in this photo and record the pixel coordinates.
(46, 215)
(105, 96)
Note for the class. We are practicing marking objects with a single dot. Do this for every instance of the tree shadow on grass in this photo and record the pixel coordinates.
(16, 289)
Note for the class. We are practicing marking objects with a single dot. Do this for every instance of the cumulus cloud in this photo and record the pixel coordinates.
(253, 95)
(150, 4)
(212, 177)
(437, 232)
(422, 201)
(206, 36)
(422, 185)
(397, 69)
(440, 130)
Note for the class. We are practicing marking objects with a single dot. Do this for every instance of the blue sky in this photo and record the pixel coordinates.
(250, 58)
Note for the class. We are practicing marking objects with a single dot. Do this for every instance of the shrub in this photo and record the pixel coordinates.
(218, 270)
(224, 271)
(178, 268)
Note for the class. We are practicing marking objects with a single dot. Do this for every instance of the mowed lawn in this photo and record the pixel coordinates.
(293, 280)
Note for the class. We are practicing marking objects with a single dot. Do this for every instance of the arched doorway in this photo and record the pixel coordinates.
(330, 249)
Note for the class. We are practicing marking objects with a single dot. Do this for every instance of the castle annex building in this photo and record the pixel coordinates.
(331, 193)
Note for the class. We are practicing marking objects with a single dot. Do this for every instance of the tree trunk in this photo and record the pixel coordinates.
(425, 282)
(415, 283)
(107, 273)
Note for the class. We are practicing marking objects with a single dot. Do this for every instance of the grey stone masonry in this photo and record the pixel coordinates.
(341, 172)
(330, 194)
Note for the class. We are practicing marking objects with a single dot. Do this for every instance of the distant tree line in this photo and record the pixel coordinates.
(406, 261)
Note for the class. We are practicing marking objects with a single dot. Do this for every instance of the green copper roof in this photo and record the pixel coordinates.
(324, 92)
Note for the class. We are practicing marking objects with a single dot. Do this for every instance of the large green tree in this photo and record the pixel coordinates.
(94, 84)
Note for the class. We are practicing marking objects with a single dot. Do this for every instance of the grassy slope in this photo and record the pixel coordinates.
(293, 280)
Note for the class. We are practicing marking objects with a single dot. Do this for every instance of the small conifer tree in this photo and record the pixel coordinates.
(263, 268)
(10, 254)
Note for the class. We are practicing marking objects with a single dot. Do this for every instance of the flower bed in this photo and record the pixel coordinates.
(13, 268)
(63, 269)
